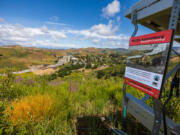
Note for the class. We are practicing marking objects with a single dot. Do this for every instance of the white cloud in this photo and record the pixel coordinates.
(44, 29)
(2, 20)
(97, 35)
(54, 18)
(116, 44)
(57, 23)
(95, 41)
(18, 34)
(100, 31)
(103, 29)
(111, 9)
(56, 35)
(102, 35)
(50, 44)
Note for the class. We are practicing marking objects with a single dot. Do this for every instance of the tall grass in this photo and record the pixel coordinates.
(35, 106)
(93, 97)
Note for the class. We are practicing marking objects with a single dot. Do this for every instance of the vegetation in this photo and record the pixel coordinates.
(18, 58)
(117, 70)
(52, 104)
(24, 104)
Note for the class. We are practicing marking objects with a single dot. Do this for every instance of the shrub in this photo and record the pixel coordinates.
(117, 70)
(52, 77)
(100, 74)
(29, 108)
(7, 87)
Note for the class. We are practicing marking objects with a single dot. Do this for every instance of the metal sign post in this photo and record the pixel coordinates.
(125, 99)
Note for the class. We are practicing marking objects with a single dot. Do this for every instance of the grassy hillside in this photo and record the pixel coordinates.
(52, 104)
(16, 58)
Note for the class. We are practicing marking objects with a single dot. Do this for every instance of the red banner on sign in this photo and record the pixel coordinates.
(155, 38)
(142, 87)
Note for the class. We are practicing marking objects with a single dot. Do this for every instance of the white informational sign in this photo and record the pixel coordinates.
(147, 62)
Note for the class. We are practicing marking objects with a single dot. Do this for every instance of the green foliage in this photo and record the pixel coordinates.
(97, 93)
(100, 74)
(91, 99)
(117, 70)
(7, 87)
(94, 98)
(53, 76)
(66, 70)
(8, 66)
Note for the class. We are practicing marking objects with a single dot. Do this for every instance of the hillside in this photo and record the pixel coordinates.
(84, 89)
(16, 58)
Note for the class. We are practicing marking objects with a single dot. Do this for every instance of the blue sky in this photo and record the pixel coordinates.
(66, 23)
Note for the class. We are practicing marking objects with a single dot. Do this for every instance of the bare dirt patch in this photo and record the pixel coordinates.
(175, 59)
(47, 71)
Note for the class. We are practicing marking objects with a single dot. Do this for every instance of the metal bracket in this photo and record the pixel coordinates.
(174, 14)
(134, 21)
(175, 52)
(143, 4)
(157, 118)
(125, 99)
(172, 71)
(146, 96)
(116, 131)
(145, 115)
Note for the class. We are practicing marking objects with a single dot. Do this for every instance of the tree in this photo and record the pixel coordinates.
(53, 77)
(100, 74)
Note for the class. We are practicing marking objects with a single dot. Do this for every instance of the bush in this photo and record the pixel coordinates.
(117, 70)
(53, 109)
(7, 87)
(100, 74)
(30, 108)
(53, 77)
(64, 72)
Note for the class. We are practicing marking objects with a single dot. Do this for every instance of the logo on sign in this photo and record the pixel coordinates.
(156, 78)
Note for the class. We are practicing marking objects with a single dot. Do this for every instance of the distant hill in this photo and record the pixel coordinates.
(120, 49)
(17, 57)
(10, 46)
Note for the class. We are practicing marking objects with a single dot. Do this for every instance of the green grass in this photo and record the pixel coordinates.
(27, 75)
(89, 96)
(93, 97)
(19, 58)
